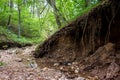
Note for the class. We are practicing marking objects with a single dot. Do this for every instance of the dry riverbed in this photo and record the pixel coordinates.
(18, 64)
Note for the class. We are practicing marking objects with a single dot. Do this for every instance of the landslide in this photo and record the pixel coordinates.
(91, 44)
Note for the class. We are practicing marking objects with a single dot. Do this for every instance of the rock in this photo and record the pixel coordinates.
(19, 59)
(80, 78)
(17, 52)
(100, 54)
(45, 68)
(61, 68)
(5, 46)
(92, 78)
(76, 71)
(33, 65)
(28, 59)
(56, 64)
(112, 70)
(74, 63)
(69, 64)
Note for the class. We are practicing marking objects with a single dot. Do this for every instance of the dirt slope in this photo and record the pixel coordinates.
(91, 43)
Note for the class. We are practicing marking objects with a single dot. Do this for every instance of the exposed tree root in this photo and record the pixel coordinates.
(81, 41)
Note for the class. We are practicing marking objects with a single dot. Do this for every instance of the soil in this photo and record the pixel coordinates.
(88, 47)
(104, 64)
(8, 44)
(19, 64)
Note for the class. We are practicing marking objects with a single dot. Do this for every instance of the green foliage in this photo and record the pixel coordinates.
(1, 63)
(37, 19)
(7, 36)
(73, 8)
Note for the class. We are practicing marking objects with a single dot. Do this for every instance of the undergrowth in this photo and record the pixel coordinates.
(2, 63)
(9, 36)
(86, 10)
(32, 32)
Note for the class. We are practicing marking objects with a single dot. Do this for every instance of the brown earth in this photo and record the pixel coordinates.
(88, 46)
(20, 65)
(9, 44)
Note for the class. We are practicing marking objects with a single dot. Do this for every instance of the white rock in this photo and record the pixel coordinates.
(80, 78)
(74, 63)
(56, 64)
(19, 59)
(33, 65)
(28, 59)
(61, 68)
(45, 68)
(69, 64)
(76, 71)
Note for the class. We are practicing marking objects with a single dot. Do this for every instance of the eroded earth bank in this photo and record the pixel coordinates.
(86, 49)
(88, 46)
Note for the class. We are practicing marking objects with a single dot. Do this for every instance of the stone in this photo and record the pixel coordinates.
(76, 71)
(33, 65)
(56, 64)
(69, 64)
(19, 59)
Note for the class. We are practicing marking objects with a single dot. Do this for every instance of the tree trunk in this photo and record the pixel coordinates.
(33, 8)
(58, 16)
(10, 16)
(19, 21)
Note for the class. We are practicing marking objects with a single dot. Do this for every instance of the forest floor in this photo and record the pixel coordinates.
(103, 64)
(18, 64)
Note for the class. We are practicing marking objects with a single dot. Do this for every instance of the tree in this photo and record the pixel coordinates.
(19, 19)
(10, 15)
(87, 3)
(58, 16)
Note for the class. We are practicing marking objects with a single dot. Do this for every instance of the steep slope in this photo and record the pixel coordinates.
(84, 35)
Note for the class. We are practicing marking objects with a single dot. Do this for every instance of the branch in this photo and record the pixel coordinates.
(43, 8)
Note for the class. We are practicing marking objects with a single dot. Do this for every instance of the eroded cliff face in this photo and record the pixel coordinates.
(83, 36)
(92, 40)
